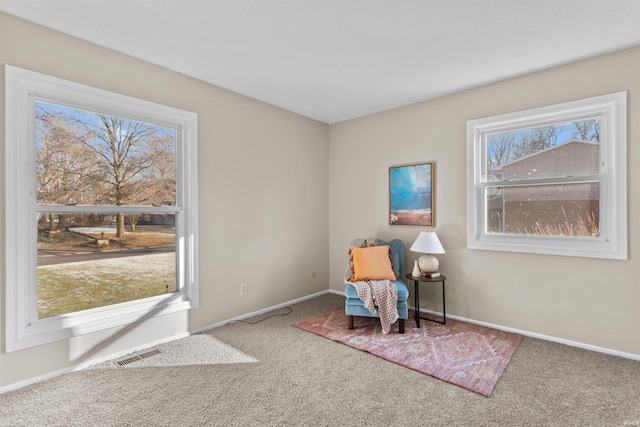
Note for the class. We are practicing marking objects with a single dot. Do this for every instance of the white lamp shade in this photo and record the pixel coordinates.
(427, 243)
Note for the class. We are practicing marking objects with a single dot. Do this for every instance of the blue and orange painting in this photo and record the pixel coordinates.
(411, 194)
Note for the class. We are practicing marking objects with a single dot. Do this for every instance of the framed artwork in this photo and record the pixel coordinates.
(411, 194)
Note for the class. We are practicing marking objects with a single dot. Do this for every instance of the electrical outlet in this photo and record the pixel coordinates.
(244, 288)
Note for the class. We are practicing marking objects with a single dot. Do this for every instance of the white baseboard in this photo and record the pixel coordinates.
(86, 364)
(35, 380)
(529, 334)
(256, 313)
(540, 336)
(83, 365)
(129, 351)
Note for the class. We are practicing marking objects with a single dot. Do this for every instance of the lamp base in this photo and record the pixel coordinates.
(428, 264)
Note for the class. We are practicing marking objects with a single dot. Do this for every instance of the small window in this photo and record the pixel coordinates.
(550, 180)
(101, 209)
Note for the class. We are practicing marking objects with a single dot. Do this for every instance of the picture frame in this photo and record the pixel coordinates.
(411, 194)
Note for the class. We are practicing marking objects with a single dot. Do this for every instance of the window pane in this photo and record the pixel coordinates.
(82, 265)
(545, 210)
(86, 158)
(566, 150)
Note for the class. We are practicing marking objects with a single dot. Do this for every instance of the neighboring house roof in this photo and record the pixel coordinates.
(575, 157)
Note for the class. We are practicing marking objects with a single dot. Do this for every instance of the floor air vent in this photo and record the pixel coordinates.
(137, 357)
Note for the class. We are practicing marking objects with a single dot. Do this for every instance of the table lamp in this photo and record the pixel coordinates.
(427, 243)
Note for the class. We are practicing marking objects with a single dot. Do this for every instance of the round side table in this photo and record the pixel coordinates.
(416, 295)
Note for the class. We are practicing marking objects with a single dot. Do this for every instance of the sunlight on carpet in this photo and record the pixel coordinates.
(470, 356)
(200, 349)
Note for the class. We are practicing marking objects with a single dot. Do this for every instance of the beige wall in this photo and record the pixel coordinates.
(282, 195)
(589, 301)
(263, 195)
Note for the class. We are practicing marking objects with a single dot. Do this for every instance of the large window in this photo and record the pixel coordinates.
(101, 209)
(550, 180)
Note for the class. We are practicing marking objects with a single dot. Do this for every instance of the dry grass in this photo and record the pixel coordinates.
(66, 288)
(581, 229)
(69, 287)
(72, 241)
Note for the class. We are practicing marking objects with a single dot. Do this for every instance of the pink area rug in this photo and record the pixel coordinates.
(470, 356)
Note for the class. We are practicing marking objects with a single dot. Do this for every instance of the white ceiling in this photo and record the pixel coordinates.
(334, 60)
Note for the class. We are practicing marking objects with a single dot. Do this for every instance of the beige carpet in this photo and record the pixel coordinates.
(302, 379)
(200, 349)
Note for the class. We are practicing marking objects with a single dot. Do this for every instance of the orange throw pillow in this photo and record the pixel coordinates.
(371, 263)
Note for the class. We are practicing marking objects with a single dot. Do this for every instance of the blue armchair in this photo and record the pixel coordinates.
(354, 306)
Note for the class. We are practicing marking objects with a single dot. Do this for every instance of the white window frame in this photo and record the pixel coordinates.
(23, 327)
(612, 241)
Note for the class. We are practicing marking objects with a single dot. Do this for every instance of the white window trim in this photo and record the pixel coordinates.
(23, 328)
(612, 242)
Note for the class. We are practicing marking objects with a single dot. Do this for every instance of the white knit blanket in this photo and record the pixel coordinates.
(381, 293)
